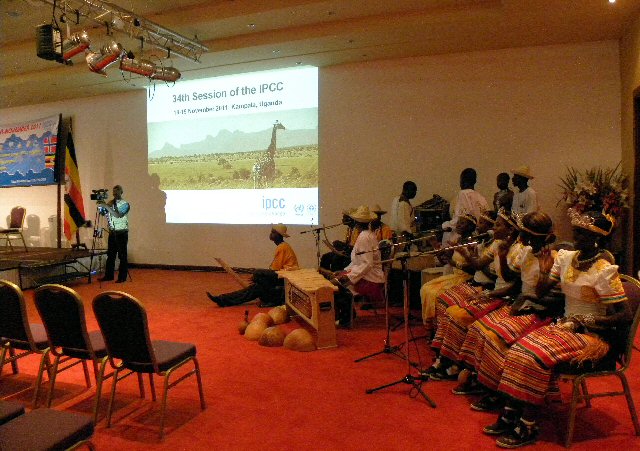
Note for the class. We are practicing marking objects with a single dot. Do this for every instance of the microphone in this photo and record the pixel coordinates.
(317, 229)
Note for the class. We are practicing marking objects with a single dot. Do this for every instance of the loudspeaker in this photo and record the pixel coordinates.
(48, 42)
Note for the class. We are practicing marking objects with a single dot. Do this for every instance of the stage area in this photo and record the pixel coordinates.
(41, 265)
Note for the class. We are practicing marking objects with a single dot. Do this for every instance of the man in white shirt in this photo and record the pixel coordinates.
(468, 202)
(402, 220)
(524, 198)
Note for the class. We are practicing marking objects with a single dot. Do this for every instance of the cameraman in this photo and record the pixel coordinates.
(116, 211)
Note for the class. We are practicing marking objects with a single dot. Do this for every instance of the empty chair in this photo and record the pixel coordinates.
(17, 333)
(62, 313)
(579, 377)
(14, 231)
(123, 322)
(44, 430)
(10, 410)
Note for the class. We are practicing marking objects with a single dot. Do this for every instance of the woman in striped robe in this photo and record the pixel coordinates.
(596, 314)
(489, 338)
(465, 303)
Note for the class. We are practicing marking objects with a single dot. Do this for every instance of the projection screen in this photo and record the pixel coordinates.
(239, 149)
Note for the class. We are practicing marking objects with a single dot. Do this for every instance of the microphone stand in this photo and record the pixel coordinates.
(388, 348)
(410, 379)
(316, 232)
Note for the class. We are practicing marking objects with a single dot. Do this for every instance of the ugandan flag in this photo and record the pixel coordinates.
(73, 203)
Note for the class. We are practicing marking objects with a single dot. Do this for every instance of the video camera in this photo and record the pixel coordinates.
(99, 194)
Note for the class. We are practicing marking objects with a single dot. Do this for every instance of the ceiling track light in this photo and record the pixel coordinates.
(108, 55)
(121, 20)
(74, 44)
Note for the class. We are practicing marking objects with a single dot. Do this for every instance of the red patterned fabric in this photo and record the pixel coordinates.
(456, 295)
(528, 369)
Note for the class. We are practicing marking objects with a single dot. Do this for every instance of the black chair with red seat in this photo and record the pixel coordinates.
(16, 223)
(123, 322)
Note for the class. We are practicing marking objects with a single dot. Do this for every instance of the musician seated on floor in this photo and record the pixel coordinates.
(364, 275)
(338, 256)
(265, 282)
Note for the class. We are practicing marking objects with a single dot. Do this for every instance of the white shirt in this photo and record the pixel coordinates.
(401, 216)
(365, 264)
(468, 201)
(586, 292)
(524, 202)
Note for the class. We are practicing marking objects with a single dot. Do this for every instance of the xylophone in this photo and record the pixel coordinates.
(310, 296)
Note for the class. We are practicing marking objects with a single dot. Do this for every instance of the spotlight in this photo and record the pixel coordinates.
(141, 67)
(75, 44)
(165, 73)
(117, 23)
(98, 62)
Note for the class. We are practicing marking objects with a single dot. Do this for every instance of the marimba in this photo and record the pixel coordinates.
(310, 296)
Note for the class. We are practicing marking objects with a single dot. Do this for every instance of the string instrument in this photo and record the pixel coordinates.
(333, 248)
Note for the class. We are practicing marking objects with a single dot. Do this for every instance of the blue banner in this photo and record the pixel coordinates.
(28, 152)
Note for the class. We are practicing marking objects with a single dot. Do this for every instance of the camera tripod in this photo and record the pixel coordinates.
(97, 235)
(409, 378)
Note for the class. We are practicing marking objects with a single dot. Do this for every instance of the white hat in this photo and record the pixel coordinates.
(362, 214)
(280, 229)
(523, 171)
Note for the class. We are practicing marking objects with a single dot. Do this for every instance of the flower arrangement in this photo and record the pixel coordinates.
(596, 189)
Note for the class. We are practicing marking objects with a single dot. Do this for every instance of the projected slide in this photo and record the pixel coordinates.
(239, 149)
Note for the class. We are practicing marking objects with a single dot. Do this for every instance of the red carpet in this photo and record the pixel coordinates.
(273, 398)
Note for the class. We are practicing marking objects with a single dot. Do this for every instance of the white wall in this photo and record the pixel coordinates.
(381, 123)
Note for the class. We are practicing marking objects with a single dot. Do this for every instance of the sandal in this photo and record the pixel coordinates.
(488, 403)
(470, 387)
(445, 374)
(525, 433)
(507, 421)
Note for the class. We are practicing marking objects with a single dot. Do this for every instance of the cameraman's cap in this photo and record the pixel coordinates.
(280, 229)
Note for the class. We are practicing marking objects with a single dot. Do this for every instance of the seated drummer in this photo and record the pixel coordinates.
(265, 282)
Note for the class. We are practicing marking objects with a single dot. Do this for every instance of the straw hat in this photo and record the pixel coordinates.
(281, 229)
(376, 209)
(348, 211)
(362, 214)
(523, 171)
